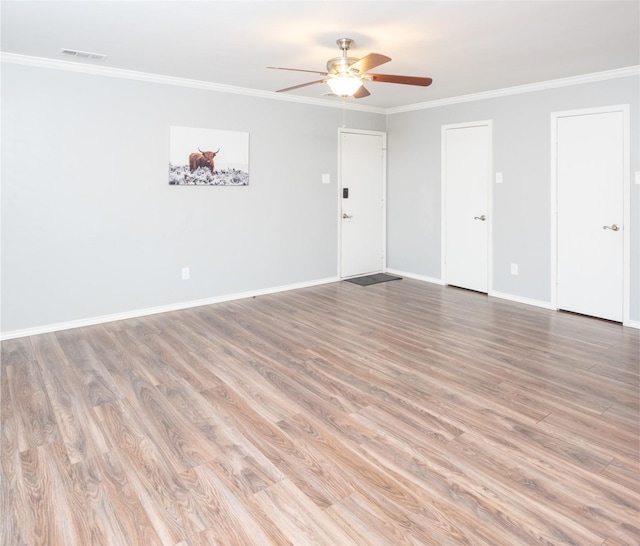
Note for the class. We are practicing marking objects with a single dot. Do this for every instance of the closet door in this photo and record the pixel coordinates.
(466, 166)
(590, 174)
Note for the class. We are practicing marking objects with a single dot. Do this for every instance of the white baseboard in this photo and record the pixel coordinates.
(501, 295)
(413, 276)
(156, 310)
(242, 295)
(520, 299)
(547, 305)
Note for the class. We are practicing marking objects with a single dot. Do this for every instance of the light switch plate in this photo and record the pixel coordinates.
(498, 178)
(638, 177)
(326, 178)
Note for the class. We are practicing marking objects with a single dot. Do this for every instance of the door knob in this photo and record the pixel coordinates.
(482, 218)
(612, 227)
(345, 215)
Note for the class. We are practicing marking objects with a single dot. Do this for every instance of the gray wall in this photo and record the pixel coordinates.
(521, 205)
(90, 226)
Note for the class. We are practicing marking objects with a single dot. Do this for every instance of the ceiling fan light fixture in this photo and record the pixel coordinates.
(344, 85)
(345, 75)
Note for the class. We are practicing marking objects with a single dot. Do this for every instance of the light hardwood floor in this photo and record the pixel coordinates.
(399, 413)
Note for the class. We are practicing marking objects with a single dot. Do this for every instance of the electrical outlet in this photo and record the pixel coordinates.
(514, 269)
(186, 273)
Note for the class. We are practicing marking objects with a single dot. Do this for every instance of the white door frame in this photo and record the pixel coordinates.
(626, 196)
(383, 235)
(443, 199)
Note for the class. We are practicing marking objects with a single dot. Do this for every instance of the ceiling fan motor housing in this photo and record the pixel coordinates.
(340, 65)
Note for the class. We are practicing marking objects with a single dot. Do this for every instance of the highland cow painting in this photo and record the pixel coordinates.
(208, 157)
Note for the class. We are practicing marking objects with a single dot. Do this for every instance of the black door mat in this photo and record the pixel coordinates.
(376, 278)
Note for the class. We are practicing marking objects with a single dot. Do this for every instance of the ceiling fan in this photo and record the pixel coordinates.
(346, 75)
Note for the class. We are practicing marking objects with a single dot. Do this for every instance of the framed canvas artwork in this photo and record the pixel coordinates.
(208, 157)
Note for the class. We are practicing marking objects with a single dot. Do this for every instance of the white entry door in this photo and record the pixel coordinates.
(362, 181)
(466, 175)
(591, 154)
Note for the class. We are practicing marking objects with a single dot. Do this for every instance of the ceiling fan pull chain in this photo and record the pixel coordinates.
(344, 112)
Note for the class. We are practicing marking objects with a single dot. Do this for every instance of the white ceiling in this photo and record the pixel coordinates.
(465, 46)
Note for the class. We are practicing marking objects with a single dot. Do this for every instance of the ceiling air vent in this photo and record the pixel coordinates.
(83, 55)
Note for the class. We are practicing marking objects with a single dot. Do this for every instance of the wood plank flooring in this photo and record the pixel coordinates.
(399, 413)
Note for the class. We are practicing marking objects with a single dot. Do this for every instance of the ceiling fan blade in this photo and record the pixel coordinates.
(299, 86)
(370, 61)
(297, 70)
(360, 93)
(406, 80)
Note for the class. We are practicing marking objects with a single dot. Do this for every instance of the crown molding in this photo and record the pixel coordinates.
(528, 88)
(70, 66)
